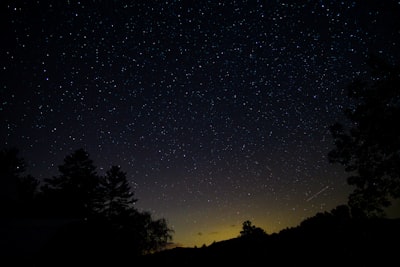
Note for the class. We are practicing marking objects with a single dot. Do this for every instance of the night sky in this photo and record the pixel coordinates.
(217, 110)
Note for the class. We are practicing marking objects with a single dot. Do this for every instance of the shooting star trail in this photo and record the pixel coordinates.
(316, 194)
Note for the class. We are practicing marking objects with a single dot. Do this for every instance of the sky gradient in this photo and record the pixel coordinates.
(217, 110)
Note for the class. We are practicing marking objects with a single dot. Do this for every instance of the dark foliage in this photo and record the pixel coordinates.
(369, 148)
(17, 191)
(250, 230)
(114, 194)
(73, 192)
(326, 239)
(114, 233)
(78, 218)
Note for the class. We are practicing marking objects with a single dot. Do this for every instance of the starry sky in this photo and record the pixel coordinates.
(217, 110)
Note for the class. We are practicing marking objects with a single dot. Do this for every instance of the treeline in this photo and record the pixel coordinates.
(100, 209)
(329, 238)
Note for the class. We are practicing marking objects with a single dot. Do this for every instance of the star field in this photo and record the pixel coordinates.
(218, 111)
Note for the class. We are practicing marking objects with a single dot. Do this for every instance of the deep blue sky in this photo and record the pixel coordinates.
(217, 110)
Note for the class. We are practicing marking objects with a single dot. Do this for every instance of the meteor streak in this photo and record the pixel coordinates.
(316, 194)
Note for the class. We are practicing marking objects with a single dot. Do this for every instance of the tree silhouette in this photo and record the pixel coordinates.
(17, 191)
(370, 147)
(251, 230)
(27, 187)
(78, 192)
(73, 193)
(159, 234)
(97, 213)
(11, 168)
(152, 234)
(114, 196)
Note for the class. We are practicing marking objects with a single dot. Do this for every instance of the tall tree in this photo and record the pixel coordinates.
(17, 191)
(11, 168)
(73, 192)
(27, 187)
(137, 231)
(115, 195)
(79, 192)
(369, 147)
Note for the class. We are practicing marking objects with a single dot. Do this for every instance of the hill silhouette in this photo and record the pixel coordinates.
(39, 228)
(322, 240)
(326, 239)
